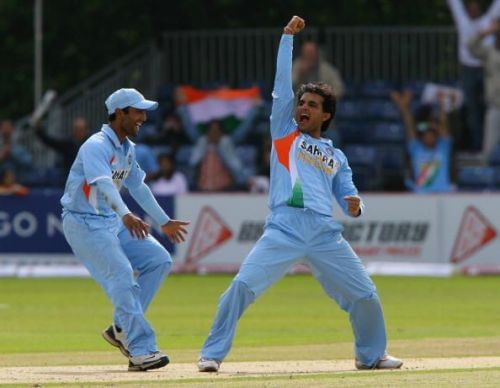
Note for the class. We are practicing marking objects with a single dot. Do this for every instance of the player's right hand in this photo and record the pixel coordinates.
(137, 227)
(295, 25)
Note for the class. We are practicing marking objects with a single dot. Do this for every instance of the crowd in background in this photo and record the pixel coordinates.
(396, 137)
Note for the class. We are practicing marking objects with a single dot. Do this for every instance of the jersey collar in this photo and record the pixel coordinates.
(321, 139)
(108, 131)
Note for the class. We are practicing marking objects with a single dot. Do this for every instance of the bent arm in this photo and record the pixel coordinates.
(343, 186)
(144, 197)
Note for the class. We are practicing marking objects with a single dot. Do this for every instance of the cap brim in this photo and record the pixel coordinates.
(145, 105)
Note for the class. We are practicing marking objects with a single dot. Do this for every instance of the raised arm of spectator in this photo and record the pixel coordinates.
(52, 142)
(443, 126)
(228, 153)
(459, 13)
(241, 131)
(494, 10)
(198, 151)
(403, 101)
(183, 112)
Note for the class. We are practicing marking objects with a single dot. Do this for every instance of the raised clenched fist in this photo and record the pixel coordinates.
(295, 25)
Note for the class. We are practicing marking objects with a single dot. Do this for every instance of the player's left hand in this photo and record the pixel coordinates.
(175, 230)
(353, 204)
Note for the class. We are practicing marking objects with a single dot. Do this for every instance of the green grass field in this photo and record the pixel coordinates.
(42, 320)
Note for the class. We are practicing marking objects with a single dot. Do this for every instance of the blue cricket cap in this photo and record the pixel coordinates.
(122, 98)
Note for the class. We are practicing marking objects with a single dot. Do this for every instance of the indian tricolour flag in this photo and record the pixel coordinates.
(228, 105)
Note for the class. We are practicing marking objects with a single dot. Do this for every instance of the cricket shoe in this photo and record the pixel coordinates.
(208, 365)
(385, 362)
(148, 361)
(116, 337)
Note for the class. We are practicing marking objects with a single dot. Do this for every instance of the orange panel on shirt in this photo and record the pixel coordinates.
(283, 146)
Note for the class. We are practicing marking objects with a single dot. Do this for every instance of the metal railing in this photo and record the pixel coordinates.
(233, 57)
(241, 57)
(398, 54)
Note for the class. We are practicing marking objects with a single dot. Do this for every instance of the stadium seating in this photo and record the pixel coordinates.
(248, 157)
(355, 132)
(477, 178)
(377, 88)
(378, 109)
(350, 110)
(495, 157)
(183, 154)
(388, 133)
(391, 157)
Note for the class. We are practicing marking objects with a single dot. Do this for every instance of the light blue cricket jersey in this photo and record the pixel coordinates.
(305, 172)
(102, 156)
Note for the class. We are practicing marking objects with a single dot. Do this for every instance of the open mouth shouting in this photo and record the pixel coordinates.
(304, 118)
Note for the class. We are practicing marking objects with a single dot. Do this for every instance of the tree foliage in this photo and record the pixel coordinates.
(81, 37)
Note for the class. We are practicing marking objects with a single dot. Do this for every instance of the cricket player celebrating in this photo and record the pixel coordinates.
(307, 173)
(108, 239)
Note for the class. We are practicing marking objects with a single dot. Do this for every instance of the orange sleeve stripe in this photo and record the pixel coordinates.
(282, 147)
(86, 190)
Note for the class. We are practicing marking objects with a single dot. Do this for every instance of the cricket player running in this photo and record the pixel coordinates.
(307, 172)
(113, 244)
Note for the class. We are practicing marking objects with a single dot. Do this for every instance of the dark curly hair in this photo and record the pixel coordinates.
(329, 99)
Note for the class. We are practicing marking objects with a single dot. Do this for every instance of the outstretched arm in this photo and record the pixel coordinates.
(443, 127)
(283, 98)
(403, 101)
(174, 229)
(459, 13)
(494, 9)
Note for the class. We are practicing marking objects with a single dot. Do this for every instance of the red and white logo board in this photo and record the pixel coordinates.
(397, 234)
(224, 228)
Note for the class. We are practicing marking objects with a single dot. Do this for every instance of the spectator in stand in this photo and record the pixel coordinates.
(238, 135)
(309, 66)
(173, 134)
(13, 156)
(8, 184)
(259, 183)
(168, 181)
(490, 55)
(214, 157)
(469, 20)
(66, 147)
(429, 144)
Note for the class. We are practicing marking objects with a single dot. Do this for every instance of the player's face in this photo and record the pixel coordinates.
(132, 121)
(309, 114)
